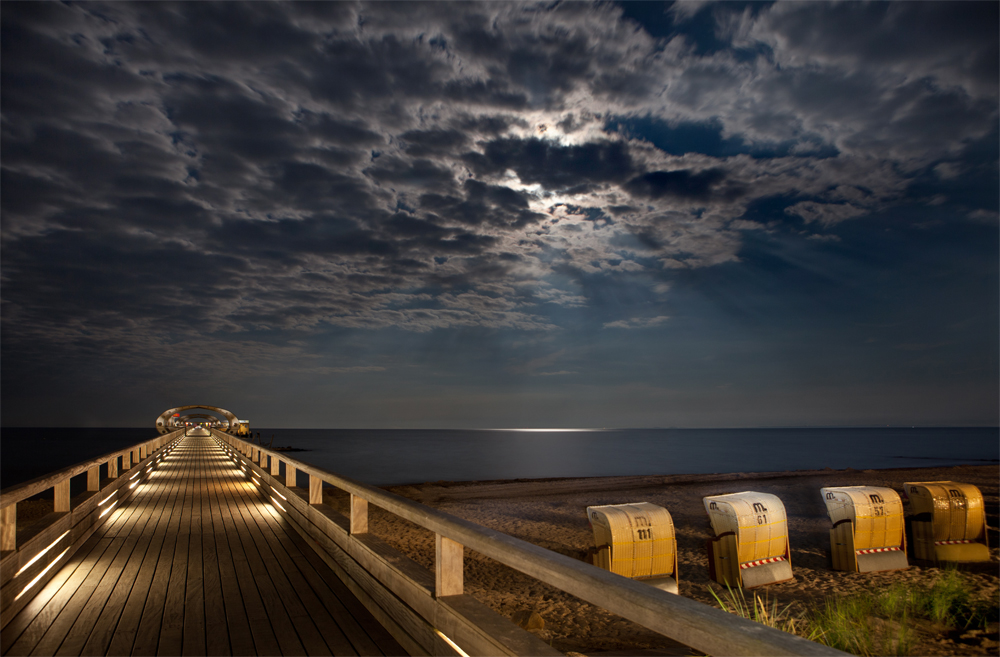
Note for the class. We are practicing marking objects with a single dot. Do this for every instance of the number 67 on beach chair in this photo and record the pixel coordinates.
(636, 541)
(867, 534)
(750, 547)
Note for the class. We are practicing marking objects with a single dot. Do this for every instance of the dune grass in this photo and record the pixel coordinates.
(764, 611)
(878, 622)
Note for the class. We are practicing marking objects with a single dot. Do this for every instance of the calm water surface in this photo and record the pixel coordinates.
(397, 456)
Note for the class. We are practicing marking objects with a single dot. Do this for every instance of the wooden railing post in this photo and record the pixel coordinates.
(275, 466)
(289, 475)
(448, 566)
(359, 515)
(94, 478)
(315, 490)
(8, 528)
(113, 467)
(61, 491)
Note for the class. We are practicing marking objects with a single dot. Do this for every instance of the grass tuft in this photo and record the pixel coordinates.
(878, 622)
(765, 611)
(867, 624)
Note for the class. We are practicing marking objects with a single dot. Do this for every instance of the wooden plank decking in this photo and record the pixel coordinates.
(196, 562)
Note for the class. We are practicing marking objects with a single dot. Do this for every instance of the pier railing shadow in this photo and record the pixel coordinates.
(32, 554)
(429, 613)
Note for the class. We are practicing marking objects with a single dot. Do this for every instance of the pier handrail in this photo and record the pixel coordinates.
(692, 623)
(24, 490)
(59, 534)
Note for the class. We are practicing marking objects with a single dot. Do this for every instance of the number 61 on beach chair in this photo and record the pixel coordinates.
(750, 547)
(636, 541)
(867, 534)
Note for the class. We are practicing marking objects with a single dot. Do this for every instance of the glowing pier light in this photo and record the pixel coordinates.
(101, 503)
(134, 476)
(40, 575)
(276, 503)
(451, 643)
(40, 554)
(280, 495)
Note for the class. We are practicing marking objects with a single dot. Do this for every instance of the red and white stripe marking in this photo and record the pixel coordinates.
(874, 550)
(761, 562)
(964, 540)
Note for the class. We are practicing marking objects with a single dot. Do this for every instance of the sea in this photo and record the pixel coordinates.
(383, 457)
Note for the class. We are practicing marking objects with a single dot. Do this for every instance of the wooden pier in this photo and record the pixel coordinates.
(209, 545)
(195, 563)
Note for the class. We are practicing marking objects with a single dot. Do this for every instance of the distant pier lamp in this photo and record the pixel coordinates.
(174, 418)
(867, 534)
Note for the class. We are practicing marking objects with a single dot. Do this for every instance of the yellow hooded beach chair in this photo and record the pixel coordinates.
(867, 534)
(948, 521)
(750, 547)
(636, 541)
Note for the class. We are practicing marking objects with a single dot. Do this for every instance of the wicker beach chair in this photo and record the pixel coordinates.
(867, 533)
(636, 541)
(750, 547)
(948, 521)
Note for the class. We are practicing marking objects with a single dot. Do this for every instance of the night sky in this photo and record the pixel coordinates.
(501, 215)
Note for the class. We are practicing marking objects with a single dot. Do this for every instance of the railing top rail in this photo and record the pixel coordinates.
(24, 490)
(693, 623)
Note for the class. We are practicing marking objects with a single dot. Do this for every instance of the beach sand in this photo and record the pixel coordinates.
(551, 513)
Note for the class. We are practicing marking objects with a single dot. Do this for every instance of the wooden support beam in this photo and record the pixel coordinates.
(61, 491)
(8, 528)
(94, 478)
(315, 490)
(448, 567)
(359, 515)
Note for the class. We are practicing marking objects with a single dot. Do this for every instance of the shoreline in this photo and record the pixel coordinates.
(550, 513)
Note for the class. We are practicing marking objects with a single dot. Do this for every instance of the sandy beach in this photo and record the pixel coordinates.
(550, 513)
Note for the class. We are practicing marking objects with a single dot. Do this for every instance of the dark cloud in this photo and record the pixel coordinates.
(421, 143)
(956, 40)
(492, 205)
(422, 173)
(552, 165)
(242, 181)
(682, 183)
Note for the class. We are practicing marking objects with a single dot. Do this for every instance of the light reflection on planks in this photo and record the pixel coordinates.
(195, 563)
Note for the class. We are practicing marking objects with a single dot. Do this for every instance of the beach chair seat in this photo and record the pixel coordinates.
(867, 534)
(750, 547)
(947, 521)
(636, 541)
